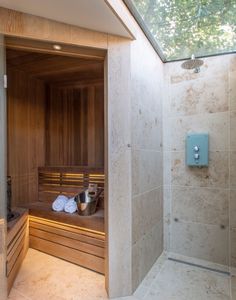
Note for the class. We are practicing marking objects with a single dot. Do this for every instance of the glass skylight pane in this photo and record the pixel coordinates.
(185, 27)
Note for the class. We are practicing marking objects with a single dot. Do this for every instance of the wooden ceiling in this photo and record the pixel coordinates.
(55, 69)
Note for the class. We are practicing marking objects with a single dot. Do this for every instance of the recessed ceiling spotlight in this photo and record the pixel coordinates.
(57, 47)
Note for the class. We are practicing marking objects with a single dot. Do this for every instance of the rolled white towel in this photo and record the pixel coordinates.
(59, 203)
(71, 206)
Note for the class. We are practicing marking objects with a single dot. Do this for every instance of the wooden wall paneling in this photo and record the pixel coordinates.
(77, 115)
(99, 125)
(26, 142)
(52, 125)
(75, 126)
(83, 126)
(91, 129)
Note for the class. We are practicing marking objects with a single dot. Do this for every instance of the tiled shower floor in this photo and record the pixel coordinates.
(46, 277)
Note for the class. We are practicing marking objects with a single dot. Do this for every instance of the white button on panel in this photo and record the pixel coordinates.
(196, 148)
(196, 156)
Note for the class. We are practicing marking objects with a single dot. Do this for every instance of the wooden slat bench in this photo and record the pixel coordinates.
(77, 239)
(17, 244)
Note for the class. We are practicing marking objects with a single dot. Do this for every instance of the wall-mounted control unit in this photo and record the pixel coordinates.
(197, 145)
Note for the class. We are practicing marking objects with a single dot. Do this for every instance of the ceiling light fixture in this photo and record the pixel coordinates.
(57, 47)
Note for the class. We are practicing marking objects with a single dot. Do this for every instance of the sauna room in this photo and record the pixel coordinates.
(55, 155)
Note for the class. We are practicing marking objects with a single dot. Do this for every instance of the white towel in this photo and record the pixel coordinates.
(71, 206)
(59, 203)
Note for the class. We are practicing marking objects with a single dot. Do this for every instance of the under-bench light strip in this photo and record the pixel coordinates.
(43, 220)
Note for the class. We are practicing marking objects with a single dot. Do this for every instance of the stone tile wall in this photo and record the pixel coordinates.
(200, 203)
(147, 157)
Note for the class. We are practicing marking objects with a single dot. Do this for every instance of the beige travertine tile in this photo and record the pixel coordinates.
(146, 212)
(167, 216)
(146, 129)
(29, 268)
(217, 125)
(232, 89)
(167, 157)
(146, 75)
(233, 294)
(212, 66)
(232, 208)
(165, 279)
(216, 175)
(146, 170)
(202, 205)
(233, 282)
(57, 279)
(232, 62)
(199, 103)
(233, 169)
(207, 242)
(147, 161)
(182, 282)
(148, 280)
(15, 295)
(232, 130)
(167, 134)
(233, 247)
(200, 96)
(119, 168)
(145, 252)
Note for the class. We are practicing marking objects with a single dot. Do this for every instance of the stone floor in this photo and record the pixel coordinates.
(177, 281)
(46, 277)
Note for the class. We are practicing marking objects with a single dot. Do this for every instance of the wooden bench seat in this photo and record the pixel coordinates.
(75, 238)
(44, 210)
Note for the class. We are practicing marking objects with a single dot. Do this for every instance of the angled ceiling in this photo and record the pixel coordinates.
(91, 14)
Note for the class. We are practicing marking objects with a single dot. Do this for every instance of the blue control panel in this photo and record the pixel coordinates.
(197, 145)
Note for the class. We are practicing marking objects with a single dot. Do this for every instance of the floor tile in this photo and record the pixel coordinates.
(45, 277)
(15, 295)
(178, 281)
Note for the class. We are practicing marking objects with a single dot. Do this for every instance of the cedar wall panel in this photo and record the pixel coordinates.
(75, 126)
(26, 134)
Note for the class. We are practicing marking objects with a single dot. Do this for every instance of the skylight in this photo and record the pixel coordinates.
(180, 28)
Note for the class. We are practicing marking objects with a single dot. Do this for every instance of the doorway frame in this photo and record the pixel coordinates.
(119, 148)
(70, 50)
(3, 171)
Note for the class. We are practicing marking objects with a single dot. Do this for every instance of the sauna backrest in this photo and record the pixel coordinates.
(68, 181)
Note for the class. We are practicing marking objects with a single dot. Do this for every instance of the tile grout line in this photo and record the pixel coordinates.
(229, 196)
(23, 295)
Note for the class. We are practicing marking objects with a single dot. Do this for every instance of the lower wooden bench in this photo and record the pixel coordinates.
(17, 245)
(80, 246)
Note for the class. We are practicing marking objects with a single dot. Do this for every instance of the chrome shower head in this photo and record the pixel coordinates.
(193, 64)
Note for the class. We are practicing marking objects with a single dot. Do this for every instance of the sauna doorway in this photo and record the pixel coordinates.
(55, 145)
